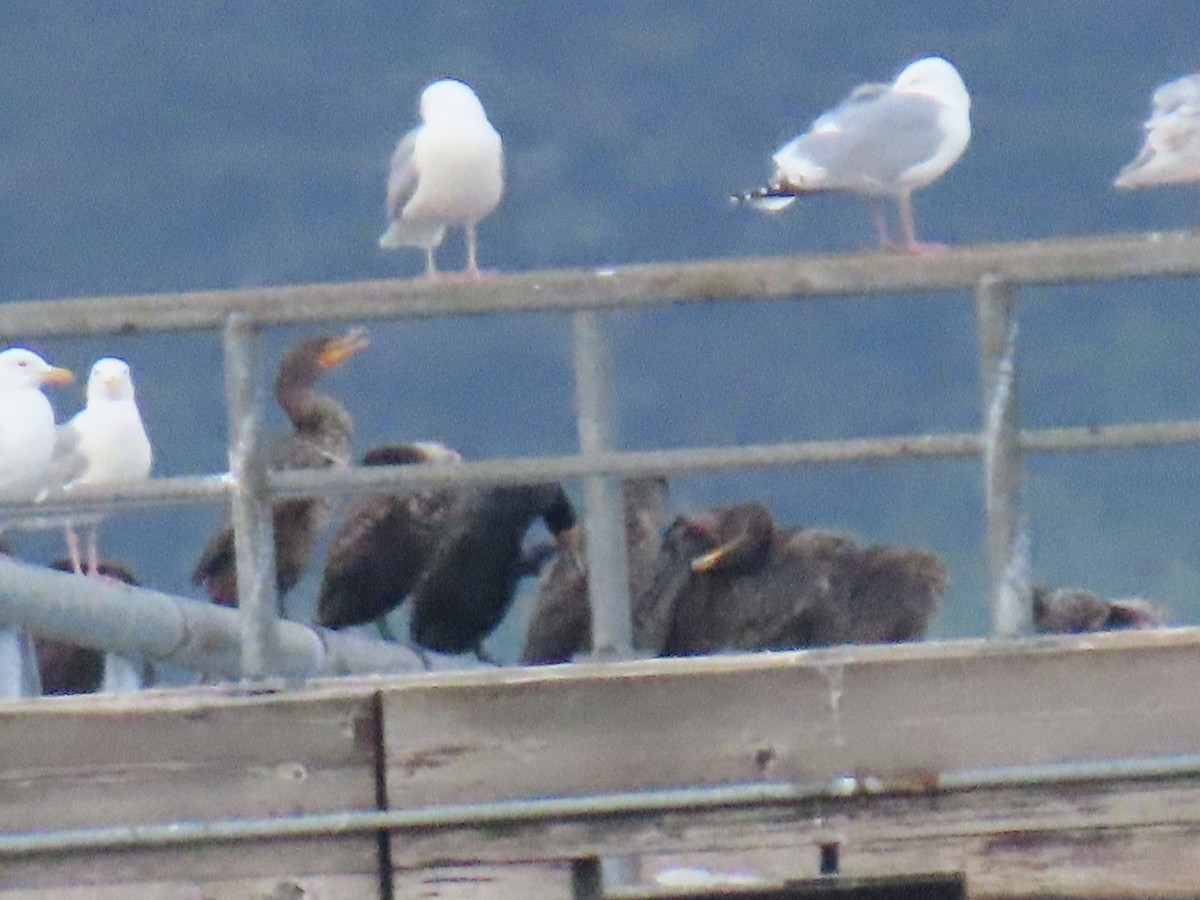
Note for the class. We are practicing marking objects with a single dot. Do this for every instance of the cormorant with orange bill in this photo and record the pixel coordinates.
(321, 436)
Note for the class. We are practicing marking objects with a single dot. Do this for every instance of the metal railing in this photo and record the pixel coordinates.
(992, 272)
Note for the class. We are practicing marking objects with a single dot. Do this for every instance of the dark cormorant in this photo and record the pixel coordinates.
(1070, 610)
(384, 542)
(321, 437)
(729, 579)
(470, 581)
(68, 668)
(561, 627)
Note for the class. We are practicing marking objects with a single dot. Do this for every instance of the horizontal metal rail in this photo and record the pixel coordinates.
(203, 490)
(1115, 258)
(161, 627)
(587, 807)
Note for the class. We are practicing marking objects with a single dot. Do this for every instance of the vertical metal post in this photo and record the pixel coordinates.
(586, 881)
(604, 520)
(19, 676)
(122, 675)
(250, 501)
(995, 313)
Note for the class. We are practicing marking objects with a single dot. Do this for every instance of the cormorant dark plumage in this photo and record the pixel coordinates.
(68, 668)
(321, 436)
(1072, 610)
(471, 579)
(561, 627)
(729, 579)
(384, 542)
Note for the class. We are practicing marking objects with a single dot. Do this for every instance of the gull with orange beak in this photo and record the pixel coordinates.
(27, 429)
(104, 443)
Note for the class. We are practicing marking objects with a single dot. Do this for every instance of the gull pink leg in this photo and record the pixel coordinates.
(472, 266)
(73, 549)
(908, 230)
(93, 550)
(881, 226)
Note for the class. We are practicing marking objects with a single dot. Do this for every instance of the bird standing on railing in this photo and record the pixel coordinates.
(447, 171)
(729, 579)
(884, 140)
(321, 437)
(561, 627)
(104, 443)
(1171, 150)
(384, 542)
(27, 429)
(471, 579)
(1073, 610)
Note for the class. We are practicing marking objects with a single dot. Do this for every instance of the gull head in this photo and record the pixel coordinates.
(937, 78)
(21, 368)
(449, 98)
(109, 380)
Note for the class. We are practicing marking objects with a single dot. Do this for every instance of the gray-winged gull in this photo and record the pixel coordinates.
(447, 171)
(884, 140)
(1171, 150)
(104, 443)
(27, 429)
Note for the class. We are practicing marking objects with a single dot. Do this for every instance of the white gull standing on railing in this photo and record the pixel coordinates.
(1171, 150)
(27, 430)
(104, 443)
(884, 140)
(447, 171)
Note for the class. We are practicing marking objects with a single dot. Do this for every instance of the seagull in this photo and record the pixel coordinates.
(104, 443)
(884, 140)
(447, 171)
(1171, 150)
(27, 430)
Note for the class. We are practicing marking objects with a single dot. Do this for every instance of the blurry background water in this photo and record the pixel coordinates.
(165, 147)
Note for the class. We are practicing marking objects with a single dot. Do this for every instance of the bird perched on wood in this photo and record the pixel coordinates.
(561, 626)
(384, 542)
(469, 583)
(321, 436)
(27, 430)
(884, 140)
(447, 171)
(729, 579)
(1171, 150)
(1071, 610)
(104, 443)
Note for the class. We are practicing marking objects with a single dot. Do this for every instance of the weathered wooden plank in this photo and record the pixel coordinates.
(531, 881)
(142, 759)
(913, 713)
(865, 828)
(300, 888)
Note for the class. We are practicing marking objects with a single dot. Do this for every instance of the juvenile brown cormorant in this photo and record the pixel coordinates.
(561, 627)
(321, 436)
(384, 542)
(1071, 610)
(470, 581)
(729, 579)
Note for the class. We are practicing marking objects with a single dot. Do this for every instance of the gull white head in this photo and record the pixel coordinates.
(437, 452)
(937, 78)
(450, 98)
(110, 380)
(21, 368)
